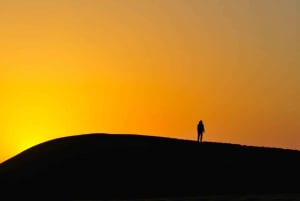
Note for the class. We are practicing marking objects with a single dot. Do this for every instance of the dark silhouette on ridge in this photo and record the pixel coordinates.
(200, 130)
(137, 167)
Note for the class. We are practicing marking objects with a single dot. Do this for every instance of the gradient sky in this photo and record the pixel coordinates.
(153, 67)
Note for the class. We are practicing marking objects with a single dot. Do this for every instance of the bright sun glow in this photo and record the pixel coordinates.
(149, 67)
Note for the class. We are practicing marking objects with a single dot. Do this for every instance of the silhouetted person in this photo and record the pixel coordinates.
(200, 129)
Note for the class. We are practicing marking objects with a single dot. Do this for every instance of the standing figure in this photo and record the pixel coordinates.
(200, 129)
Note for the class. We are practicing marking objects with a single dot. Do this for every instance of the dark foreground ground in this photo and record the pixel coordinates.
(136, 167)
(250, 197)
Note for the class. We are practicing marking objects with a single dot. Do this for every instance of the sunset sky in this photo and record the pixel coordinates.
(152, 67)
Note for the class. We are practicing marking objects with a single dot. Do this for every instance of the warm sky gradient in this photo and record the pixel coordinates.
(151, 67)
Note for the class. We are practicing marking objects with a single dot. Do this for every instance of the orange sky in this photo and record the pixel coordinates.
(152, 67)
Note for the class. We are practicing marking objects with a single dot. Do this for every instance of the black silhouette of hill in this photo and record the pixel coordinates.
(120, 166)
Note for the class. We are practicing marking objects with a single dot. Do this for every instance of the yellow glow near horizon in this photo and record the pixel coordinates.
(149, 67)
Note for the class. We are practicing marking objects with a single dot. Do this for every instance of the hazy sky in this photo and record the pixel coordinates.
(153, 67)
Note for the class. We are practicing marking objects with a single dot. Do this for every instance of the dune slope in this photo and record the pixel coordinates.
(117, 166)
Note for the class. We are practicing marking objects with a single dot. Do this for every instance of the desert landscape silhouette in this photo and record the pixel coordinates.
(150, 100)
(105, 166)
